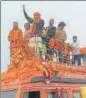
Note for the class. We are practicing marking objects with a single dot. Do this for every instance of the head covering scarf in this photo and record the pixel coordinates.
(51, 19)
(37, 14)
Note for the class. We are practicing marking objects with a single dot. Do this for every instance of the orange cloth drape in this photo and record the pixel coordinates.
(83, 50)
(52, 42)
(15, 37)
(56, 44)
(15, 34)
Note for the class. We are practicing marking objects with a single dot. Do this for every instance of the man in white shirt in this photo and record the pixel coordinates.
(76, 51)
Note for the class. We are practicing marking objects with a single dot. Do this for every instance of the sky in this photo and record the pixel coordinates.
(73, 13)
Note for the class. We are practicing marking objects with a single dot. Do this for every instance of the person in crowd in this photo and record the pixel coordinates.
(60, 37)
(50, 30)
(37, 21)
(27, 27)
(15, 33)
(60, 34)
(76, 51)
(36, 29)
(15, 37)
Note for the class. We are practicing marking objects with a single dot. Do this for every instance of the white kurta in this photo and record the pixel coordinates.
(37, 41)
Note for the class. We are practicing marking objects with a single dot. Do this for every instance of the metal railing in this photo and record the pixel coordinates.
(57, 56)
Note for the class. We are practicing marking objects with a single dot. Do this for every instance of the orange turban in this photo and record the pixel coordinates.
(37, 14)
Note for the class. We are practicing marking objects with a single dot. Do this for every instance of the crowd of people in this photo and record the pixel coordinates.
(50, 39)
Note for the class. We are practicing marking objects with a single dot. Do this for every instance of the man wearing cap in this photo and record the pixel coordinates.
(37, 21)
(36, 29)
(60, 37)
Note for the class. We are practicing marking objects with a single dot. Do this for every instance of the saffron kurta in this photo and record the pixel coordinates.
(15, 34)
(15, 37)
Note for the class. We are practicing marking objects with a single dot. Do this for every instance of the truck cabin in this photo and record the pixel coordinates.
(57, 88)
(75, 94)
(47, 93)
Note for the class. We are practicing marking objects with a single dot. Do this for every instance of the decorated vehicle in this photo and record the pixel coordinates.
(41, 65)
(28, 76)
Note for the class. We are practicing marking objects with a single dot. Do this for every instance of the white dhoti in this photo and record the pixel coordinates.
(37, 42)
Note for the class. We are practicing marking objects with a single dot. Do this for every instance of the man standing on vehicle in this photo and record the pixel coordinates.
(15, 37)
(37, 20)
(76, 51)
(36, 29)
(27, 27)
(60, 37)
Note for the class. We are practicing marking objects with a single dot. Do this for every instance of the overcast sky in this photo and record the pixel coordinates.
(73, 13)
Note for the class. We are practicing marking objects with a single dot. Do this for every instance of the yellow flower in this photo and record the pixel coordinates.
(44, 49)
(36, 40)
(43, 32)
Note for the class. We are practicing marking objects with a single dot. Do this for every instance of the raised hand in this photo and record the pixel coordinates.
(23, 6)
